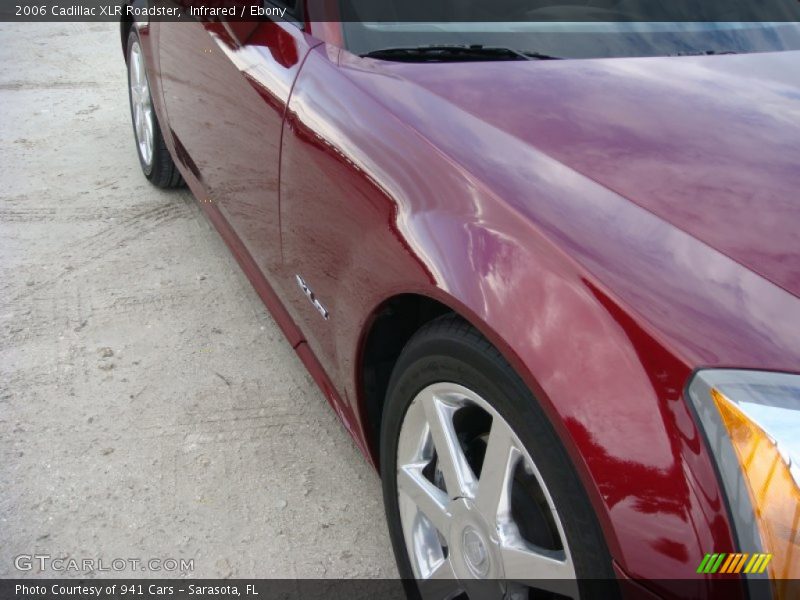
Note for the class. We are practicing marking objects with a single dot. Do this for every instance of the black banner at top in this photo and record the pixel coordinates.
(409, 11)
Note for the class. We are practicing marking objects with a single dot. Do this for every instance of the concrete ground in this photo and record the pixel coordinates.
(149, 405)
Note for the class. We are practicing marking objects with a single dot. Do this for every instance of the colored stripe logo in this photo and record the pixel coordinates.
(734, 563)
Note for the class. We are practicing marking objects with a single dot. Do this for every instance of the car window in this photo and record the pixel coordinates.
(571, 29)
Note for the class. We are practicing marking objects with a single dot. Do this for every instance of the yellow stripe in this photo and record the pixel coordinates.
(767, 558)
(757, 565)
(728, 562)
(739, 566)
(751, 563)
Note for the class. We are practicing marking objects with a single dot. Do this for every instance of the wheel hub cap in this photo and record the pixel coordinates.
(475, 553)
(472, 543)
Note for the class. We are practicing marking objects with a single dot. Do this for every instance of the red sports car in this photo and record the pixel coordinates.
(547, 274)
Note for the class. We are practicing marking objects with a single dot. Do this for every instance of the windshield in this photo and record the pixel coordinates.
(604, 28)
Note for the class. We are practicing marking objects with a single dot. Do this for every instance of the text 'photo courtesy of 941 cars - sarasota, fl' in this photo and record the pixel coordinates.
(547, 272)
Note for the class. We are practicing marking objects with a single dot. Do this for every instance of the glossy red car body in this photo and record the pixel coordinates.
(610, 225)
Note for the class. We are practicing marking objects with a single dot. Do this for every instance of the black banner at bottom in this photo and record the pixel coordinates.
(358, 589)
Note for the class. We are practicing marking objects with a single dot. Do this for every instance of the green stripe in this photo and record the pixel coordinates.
(703, 564)
(710, 563)
(718, 563)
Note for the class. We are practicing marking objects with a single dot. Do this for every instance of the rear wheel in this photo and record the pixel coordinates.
(481, 498)
(156, 162)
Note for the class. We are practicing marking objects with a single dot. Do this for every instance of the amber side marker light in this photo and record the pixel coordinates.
(773, 489)
(751, 422)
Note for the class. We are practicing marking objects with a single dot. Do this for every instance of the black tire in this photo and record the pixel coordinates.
(162, 171)
(450, 350)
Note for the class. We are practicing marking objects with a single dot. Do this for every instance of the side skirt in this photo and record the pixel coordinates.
(280, 314)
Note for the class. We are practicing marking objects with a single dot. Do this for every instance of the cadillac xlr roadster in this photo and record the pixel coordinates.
(547, 273)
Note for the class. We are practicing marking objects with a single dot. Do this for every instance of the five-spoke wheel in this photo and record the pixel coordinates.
(481, 498)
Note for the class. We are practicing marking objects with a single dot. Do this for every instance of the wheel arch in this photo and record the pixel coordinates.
(399, 317)
(387, 330)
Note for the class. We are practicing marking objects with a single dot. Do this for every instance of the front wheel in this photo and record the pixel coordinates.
(481, 498)
(154, 157)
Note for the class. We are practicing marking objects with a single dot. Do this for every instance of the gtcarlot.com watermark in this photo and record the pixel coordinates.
(65, 564)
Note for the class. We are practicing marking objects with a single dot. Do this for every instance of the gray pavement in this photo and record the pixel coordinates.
(149, 405)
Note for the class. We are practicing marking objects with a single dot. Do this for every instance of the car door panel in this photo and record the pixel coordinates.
(226, 87)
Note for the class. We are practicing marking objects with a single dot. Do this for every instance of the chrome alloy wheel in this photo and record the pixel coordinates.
(141, 105)
(473, 505)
